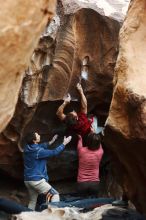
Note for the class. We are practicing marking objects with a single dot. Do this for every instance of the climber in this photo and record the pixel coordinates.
(90, 154)
(35, 170)
(77, 122)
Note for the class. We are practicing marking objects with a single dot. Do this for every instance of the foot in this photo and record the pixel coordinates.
(120, 203)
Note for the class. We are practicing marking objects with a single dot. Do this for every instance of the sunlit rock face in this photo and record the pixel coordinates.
(21, 23)
(55, 69)
(115, 9)
(126, 124)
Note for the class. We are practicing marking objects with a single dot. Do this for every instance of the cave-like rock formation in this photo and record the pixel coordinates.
(21, 23)
(84, 33)
(110, 8)
(126, 124)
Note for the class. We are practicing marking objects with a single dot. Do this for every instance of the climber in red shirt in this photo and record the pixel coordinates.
(77, 122)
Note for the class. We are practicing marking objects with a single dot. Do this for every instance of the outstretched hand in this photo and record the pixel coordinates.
(67, 140)
(67, 98)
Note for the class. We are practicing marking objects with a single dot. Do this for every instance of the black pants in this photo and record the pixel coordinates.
(88, 188)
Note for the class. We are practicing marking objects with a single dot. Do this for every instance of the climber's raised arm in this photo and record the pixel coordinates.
(83, 99)
(60, 111)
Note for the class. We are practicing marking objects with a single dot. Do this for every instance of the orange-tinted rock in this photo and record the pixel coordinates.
(21, 23)
(126, 124)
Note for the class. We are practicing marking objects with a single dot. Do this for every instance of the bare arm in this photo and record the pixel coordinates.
(80, 142)
(83, 99)
(53, 139)
(60, 111)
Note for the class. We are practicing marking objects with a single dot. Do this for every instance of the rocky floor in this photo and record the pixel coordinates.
(105, 212)
(15, 190)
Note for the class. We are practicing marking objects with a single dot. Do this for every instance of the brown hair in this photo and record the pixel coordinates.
(70, 119)
(92, 141)
(30, 137)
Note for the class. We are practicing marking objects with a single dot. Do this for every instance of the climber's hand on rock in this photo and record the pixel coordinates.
(67, 140)
(67, 98)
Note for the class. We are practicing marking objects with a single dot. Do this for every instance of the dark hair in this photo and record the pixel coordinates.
(92, 141)
(70, 119)
(30, 137)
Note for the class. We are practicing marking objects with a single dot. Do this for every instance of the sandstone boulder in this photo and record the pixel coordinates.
(21, 24)
(45, 85)
(126, 125)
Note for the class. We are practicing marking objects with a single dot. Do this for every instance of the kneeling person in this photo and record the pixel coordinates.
(35, 168)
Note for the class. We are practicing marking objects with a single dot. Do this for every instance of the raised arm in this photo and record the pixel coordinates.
(43, 153)
(45, 145)
(83, 99)
(60, 111)
(53, 139)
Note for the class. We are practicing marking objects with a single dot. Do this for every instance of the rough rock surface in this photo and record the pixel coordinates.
(21, 23)
(105, 212)
(45, 85)
(126, 125)
(112, 8)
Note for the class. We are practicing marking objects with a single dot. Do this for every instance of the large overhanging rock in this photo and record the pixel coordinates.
(21, 23)
(85, 33)
(112, 8)
(126, 124)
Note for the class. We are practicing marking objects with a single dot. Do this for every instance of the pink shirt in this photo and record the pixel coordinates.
(89, 161)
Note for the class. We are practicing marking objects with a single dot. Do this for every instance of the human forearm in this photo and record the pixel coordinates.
(83, 98)
(60, 111)
(43, 153)
(51, 142)
(53, 139)
(83, 102)
(80, 142)
(50, 153)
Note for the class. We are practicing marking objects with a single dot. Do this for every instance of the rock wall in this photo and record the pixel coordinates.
(20, 26)
(126, 125)
(113, 9)
(54, 70)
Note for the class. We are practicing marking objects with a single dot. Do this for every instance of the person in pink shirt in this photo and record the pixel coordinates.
(89, 154)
